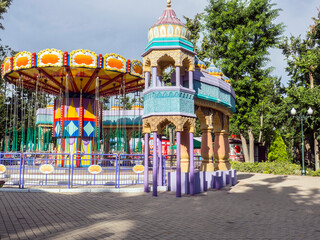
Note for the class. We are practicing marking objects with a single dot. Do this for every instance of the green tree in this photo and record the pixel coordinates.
(303, 66)
(240, 33)
(4, 52)
(278, 149)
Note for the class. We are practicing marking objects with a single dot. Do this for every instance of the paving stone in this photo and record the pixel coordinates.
(260, 206)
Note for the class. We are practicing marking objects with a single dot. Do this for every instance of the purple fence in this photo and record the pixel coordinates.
(46, 169)
(94, 169)
(130, 169)
(66, 170)
(170, 162)
(10, 168)
(197, 161)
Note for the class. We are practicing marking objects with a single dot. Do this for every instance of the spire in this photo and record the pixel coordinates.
(169, 3)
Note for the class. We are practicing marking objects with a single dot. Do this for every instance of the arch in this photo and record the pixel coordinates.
(147, 65)
(190, 125)
(165, 61)
(156, 32)
(150, 35)
(146, 126)
(170, 30)
(187, 64)
(164, 123)
(163, 31)
(177, 31)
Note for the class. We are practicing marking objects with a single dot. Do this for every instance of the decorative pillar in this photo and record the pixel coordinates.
(160, 172)
(221, 150)
(154, 77)
(192, 187)
(191, 80)
(185, 166)
(178, 78)
(178, 169)
(154, 166)
(207, 150)
(146, 162)
(146, 81)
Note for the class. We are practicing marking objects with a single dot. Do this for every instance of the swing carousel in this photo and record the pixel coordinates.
(77, 102)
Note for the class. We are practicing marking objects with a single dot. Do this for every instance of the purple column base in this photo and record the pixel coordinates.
(203, 181)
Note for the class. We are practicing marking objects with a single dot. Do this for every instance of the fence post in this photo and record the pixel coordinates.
(20, 170)
(70, 165)
(116, 172)
(23, 167)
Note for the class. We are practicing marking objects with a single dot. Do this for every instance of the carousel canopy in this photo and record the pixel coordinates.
(52, 70)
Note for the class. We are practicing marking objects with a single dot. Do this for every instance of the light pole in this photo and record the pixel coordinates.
(302, 117)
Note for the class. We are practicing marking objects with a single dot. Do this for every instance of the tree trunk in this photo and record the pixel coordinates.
(251, 144)
(244, 147)
(261, 125)
(311, 78)
(316, 151)
(308, 152)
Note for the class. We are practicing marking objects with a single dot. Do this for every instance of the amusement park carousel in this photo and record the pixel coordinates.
(78, 82)
(76, 113)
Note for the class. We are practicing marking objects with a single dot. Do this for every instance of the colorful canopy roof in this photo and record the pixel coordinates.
(169, 31)
(198, 63)
(168, 17)
(80, 69)
(214, 71)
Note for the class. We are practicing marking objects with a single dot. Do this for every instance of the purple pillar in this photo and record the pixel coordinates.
(154, 166)
(191, 164)
(146, 160)
(178, 187)
(146, 81)
(191, 80)
(154, 77)
(178, 78)
(160, 172)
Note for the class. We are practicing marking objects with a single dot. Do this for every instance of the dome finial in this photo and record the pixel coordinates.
(169, 3)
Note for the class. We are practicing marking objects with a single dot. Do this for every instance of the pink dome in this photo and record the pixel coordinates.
(168, 17)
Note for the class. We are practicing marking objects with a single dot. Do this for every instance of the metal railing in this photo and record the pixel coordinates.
(79, 169)
(46, 169)
(130, 169)
(94, 169)
(10, 168)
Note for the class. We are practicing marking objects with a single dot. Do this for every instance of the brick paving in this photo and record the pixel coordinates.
(259, 207)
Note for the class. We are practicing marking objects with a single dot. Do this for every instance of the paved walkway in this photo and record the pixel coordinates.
(258, 207)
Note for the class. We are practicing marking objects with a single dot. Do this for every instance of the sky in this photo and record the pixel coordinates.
(120, 26)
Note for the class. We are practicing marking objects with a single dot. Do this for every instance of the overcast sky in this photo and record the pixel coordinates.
(118, 26)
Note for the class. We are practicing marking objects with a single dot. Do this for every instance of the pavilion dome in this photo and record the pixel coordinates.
(169, 26)
(199, 64)
(226, 79)
(214, 71)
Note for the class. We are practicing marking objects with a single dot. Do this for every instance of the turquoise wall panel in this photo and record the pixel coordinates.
(168, 102)
(214, 94)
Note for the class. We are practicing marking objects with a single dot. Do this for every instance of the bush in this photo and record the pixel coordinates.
(314, 173)
(278, 167)
(278, 149)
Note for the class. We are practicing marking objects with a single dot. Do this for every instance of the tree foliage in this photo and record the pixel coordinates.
(240, 35)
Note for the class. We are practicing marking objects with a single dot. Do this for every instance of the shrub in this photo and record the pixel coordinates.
(277, 167)
(314, 173)
(278, 149)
